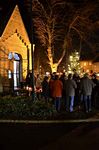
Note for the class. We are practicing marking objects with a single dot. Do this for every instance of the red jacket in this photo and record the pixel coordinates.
(57, 88)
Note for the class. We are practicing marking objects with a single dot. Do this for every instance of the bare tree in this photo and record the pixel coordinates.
(48, 28)
(58, 22)
(81, 24)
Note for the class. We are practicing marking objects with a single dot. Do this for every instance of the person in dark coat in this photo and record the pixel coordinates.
(45, 88)
(51, 86)
(76, 78)
(63, 78)
(95, 91)
(29, 79)
(86, 86)
(69, 87)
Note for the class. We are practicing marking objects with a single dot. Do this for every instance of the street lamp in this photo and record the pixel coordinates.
(32, 52)
(32, 61)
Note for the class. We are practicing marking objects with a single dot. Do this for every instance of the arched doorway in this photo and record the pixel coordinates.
(16, 69)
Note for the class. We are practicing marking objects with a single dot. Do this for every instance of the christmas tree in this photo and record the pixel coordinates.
(74, 63)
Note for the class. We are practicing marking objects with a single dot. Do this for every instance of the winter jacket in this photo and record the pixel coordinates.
(57, 88)
(45, 88)
(86, 86)
(69, 87)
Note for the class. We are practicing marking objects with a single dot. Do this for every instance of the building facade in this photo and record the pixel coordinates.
(89, 65)
(15, 58)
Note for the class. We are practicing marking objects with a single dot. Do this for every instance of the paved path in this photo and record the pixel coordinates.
(49, 136)
(84, 137)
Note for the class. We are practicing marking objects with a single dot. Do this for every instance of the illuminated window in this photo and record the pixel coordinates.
(16, 73)
(9, 74)
(87, 70)
(85, 64)
(16, 57)
(10, 56)
(90, 64)
(13, 55)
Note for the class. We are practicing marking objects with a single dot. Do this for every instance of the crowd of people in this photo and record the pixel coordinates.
(72, 91)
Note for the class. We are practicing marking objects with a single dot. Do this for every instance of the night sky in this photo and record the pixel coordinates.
(7, 5)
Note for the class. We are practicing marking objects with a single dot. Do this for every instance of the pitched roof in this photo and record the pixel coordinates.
(13, 10)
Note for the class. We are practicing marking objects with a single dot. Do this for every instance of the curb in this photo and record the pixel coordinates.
(49, 121)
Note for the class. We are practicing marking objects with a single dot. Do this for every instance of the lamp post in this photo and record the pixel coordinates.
(32, 53)
(32, 61)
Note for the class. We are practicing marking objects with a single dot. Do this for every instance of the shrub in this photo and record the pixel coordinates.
(24, 108)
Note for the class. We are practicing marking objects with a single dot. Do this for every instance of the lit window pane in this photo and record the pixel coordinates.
(10, 56)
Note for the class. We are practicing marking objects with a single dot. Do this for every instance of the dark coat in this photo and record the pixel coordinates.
(29, 79)
(45, 88)
(69, 87)
(86, 86)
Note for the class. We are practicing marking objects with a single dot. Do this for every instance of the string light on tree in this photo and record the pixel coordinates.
(74, 63)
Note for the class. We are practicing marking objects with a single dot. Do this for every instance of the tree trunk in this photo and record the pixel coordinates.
(53, 65)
